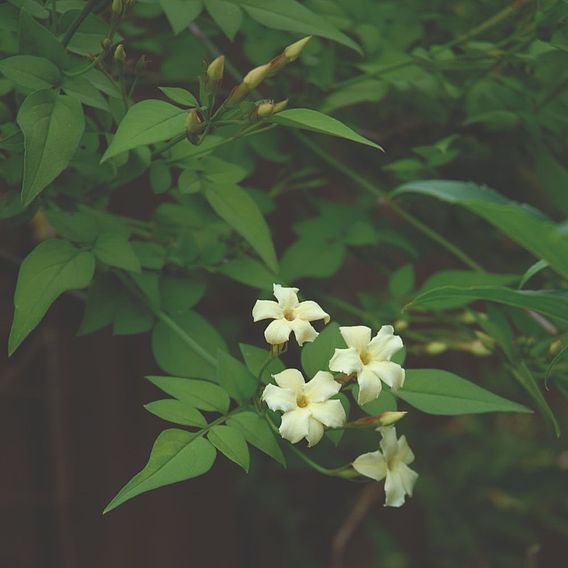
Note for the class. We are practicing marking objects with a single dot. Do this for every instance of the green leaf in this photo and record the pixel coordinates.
(30, 72)
(78, 226)
(176, 357)
(231, 443)
(150, 255)
(115, 250)
(531, 271)
(557, 358)
(315, 121)
(53, 126)
(83, 90)
(201, 394)
(177, 411)
(177, 455)
(442, 393)
(248, 271)
(258, 433)
(234, 377)
(235, 206)
(52, 268)
(36, 39)
(180, 294)
(145, 123)
(255, 359)
(181, 96)
(226, 15)
(309, 257)
(180, 13)
(131, 316)
(386, 402)
(522, 223)
(370, 90)
(291, 16)
(316, 355)
(553, 303)
(401, 282)
(105, 294)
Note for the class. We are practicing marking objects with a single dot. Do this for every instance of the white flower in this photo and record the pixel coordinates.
(370, 359)
(392, 464)
(289, 315)
(306, 406)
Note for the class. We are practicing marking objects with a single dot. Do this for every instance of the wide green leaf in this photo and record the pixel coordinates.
(52, 268)
(316, 355)
(177, 411)
(257, 432)
(52, 125)
(440, 392)
(226, 15)
(307, 119)
(553, 303)
(177, 455)
(291, 16)
(180, 13)
(256, 360)
(522, 223)
(235, 206)
(234, 377)
(201, 394)
(145, 123)
(115, 250)
(178, 358)
(231, 443)
(30, 72)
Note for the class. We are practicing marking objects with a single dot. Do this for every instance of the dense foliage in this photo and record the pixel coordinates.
(400, 162)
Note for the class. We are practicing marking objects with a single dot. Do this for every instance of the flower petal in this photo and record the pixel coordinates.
(290, 379)
(303, 331)
(357, 336)
(266, 309)
(277, 332)
(399, 483)
(389, 443)
(369, 386)
(329, 413)
(390, 373)
(287, 297)
(385, 344)
(279, 399)
(311, 311)
(405, 454)
(295, 425)
(346, 361)
(321, 387)
(372, 464)
(315, 432)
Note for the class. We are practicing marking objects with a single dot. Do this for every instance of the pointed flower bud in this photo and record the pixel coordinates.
(264, 110)
(215, 69)
(293, 51)
(281, 105)
(192, 122)
(120, 53)
(255, 77)
(117, 7)
(379, 420)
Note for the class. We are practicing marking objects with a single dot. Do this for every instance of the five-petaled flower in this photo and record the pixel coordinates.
(306, 406)
(370, 359)
(289, 314)
(390, 464)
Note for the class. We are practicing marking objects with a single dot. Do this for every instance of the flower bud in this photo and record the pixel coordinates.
(255, 77)
(117, 7)
(106, 43)
(215, 69)
(281, 105)
(193, 126)
(555, 347)
(120, 53)
(379, 420)
(293, 51)
(141, 64)
(263, 110)
(435, 347)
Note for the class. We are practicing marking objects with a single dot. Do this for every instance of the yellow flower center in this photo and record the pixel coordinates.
(365, 357)
(301, 401)
(289, 314)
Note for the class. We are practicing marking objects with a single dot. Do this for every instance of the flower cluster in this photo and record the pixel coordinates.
(309, 407)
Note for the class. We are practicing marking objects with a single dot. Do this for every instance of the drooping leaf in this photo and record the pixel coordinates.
(52, 268)
(258, 433)
(235, 206)
(522, 223)
(201, 394)
(52, 125)
(181, 96)
(177, 455)
(440, 392)
(226, 15)
(30, 71)
(180, 13)
(145, 123)
(177, 411)
(230, 442)
(315, 121)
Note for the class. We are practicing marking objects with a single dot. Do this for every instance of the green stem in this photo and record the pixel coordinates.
(89, 7)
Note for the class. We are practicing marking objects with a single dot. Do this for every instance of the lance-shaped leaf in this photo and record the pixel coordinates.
(231, 443)
(177, 455)
(30, 72)
(307, 119)
(52, 125)
(145, 123)
(52, 268)
(521, 222)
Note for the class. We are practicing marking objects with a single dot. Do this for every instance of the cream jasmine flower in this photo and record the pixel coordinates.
(306, 406)
(390, 464)
(289, 314)
(370, 359)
